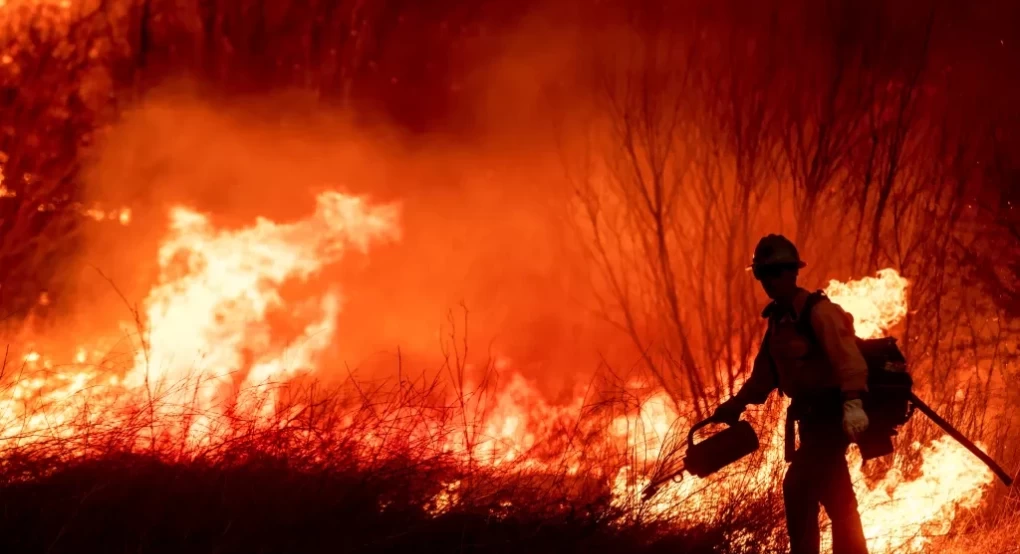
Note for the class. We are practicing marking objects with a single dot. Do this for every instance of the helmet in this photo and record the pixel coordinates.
(775, 250)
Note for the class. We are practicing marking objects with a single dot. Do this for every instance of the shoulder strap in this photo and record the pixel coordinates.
(767, 314)
(804, 320)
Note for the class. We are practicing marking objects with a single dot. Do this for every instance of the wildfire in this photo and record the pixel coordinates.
(207, 316)
(208, 352)
(877, 303)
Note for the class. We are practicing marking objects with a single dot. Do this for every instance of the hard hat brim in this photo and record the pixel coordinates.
(798, 263)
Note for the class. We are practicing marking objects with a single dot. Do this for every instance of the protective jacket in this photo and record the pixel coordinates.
(800, 367)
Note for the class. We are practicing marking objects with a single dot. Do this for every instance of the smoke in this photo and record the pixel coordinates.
(486, 230)
(487, 252)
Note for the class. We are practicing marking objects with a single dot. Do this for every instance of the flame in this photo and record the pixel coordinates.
(447, 498)
(96, 213)
(901, 513)
(877, 303)
(207, 351)
(217, 287)
(208, 309)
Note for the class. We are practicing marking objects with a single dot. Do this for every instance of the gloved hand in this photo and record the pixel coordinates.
(728, 412)
(855, 421)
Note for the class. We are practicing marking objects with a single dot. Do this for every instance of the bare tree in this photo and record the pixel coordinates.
(670, 198)
(630, 200)
(865, 142)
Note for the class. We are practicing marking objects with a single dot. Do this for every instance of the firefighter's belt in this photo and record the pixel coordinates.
(822, 407)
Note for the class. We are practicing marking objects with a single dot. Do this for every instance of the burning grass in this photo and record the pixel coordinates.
(386, 466)
(218, 434)
(350, 469)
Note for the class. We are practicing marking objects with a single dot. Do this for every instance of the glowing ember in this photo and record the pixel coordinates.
(446, 498)
(122, 215)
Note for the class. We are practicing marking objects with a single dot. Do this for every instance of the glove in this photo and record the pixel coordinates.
(855, 421)
(728, 412)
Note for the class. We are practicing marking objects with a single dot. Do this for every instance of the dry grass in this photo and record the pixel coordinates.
(368, 467)
(359, 467)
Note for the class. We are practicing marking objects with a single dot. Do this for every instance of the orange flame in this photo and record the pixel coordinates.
(877, 303)
(208, 350)
(216, 288)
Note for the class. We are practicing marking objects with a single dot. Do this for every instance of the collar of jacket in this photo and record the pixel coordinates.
(773, 307)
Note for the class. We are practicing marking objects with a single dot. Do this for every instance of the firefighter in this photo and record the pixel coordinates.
(824, 379)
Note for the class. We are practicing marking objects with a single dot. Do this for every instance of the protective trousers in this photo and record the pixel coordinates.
(818, 474)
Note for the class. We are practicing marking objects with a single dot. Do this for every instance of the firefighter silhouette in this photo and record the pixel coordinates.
(824, 379)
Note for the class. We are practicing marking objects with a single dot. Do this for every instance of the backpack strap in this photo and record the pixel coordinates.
(767, 314)
(803, 326)
(804, 319)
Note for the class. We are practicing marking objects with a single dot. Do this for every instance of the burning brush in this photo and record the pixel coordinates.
(890, 404)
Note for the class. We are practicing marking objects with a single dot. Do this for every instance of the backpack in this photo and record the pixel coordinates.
(888, 400)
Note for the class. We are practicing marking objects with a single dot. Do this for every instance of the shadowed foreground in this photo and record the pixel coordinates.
(136, 504)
